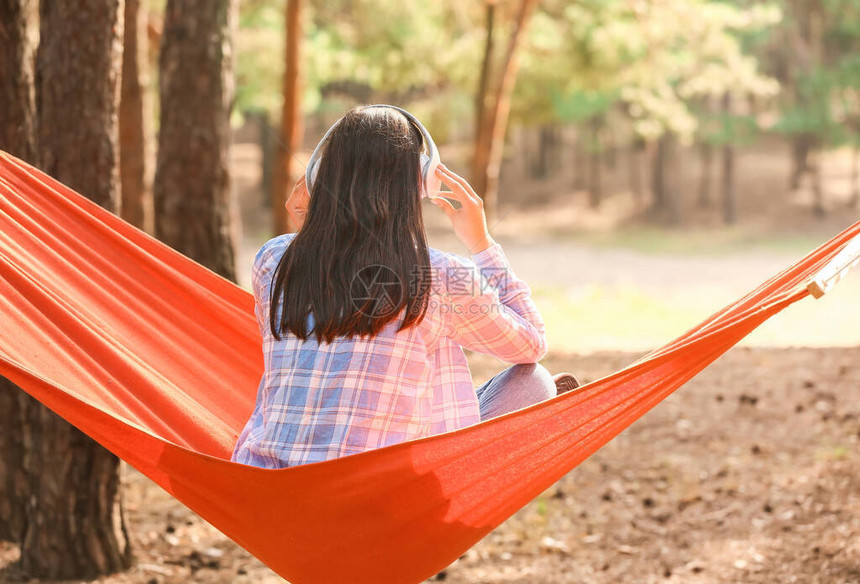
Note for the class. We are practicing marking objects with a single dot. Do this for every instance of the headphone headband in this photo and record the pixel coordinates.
(429, 161)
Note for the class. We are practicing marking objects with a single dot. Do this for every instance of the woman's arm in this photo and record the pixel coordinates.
(489, 310)
(494, 313)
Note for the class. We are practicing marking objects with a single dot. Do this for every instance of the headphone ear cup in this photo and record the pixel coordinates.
(430, 183)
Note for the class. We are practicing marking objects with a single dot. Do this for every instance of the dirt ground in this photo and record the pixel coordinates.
(750, 473)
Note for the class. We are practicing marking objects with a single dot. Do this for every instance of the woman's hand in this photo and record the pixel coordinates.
(297, 203)
(469, 221)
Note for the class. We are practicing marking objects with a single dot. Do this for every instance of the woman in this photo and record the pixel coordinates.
(363, 325)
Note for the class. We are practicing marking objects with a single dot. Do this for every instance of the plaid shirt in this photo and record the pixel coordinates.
(321, 401)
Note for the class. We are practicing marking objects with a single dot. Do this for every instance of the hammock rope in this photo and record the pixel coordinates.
(158, 359)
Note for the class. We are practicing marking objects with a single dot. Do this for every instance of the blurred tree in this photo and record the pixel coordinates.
(806, 118)
(134, 120)
(194, 212)
(483, 89)
(74, 525)
(635, 159)
(822, 68)
(285, 166)
(587, 110)
(842, 51)
(17, 137)
(415, 54)
(399, 52)
(722, 130)
(653, 60)
(18, 114)
(493, 103)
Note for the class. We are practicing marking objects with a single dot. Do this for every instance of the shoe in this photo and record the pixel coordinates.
(565, 382)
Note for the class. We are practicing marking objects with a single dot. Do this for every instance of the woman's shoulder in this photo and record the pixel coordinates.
(273, 249)
(446, 259)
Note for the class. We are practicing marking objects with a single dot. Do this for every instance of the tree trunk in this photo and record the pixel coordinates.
(580, 161)
(490, 145)
(595, 192)
(17, 137)
(18, 111)
(542, 162)
(483, 105)
(658, 179)
(818, 208)
(610, 149)
(267, 139)
(667, 194)
(635, 171)
(291, 118)
(706, 178)
(134, 120)
(13, 476)
(671, 181)
(194, 211)
(75, 526)
(730, 205)
(800, 146)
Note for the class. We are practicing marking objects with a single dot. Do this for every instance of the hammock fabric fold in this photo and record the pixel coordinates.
(158, 359)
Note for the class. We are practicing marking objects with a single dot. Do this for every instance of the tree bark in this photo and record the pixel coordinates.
(13, 477)
(667, 196)
(17, 137)
(671, 182)
(483, 103)
(580, 160)
(610, 148)
(818, 208)
(635, 171)
(658, 179)
(730, 205)
(75, 527)
(800, 146)
(544, 152)
(595, 191)
(706, 177)
(134, 121)
(194, 211)
(268, 142)
(18, 111)
(291, 118)
(489, 147)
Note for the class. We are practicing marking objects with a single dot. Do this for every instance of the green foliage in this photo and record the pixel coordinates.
(825, 101)
(653, 59)
(398, 51)
(719, 129)
(581, 106)
(260, 56)
(813, 112)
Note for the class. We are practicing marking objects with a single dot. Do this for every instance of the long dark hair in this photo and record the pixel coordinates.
(361, 257)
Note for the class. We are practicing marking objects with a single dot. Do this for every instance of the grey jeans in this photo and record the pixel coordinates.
(514, 388)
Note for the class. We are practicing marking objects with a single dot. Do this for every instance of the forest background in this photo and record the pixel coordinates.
(643, 163)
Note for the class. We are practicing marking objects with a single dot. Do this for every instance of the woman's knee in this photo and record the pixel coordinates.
(535, 379)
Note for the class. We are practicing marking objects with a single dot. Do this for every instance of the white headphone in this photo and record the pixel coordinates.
(430, 183)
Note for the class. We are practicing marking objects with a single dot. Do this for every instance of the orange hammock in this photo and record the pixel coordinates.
(158, 359)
